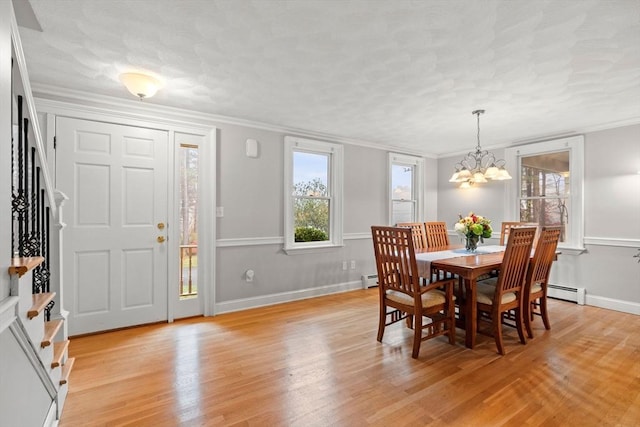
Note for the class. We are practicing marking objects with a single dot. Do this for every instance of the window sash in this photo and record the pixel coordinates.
(333, 196)
(574, 236)
(416, 164)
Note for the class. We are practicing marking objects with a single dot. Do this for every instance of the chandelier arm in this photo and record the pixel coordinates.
(479, 165)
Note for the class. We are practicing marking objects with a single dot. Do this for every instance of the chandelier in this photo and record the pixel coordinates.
(479, 166)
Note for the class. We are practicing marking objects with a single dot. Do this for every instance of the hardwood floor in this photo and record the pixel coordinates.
(317, 363)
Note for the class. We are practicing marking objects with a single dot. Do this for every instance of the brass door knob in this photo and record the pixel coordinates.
(161, 226)
(160, 239)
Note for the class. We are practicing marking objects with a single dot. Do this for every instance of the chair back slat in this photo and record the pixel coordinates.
(437, 234)
(508, 225)
(545, 254)
(417, 233)
(395, 259)
(516, 260)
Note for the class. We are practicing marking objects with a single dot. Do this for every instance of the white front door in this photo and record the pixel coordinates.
(114, 257)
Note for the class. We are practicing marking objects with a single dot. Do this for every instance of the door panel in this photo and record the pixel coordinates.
(114, 268)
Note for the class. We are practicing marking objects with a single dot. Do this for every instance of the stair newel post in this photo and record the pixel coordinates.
(55, 259)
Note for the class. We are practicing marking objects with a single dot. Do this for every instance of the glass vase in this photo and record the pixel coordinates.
(472, 243)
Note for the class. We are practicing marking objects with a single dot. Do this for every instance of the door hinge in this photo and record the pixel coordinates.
(55, 141)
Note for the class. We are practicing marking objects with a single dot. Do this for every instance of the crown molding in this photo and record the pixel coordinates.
(149, 111)
(549, 137)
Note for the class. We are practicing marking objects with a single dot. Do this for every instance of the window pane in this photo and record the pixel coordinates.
(401, 182)
(403, 211)
(188, 156)
(311, 219)
(310, 174)
(549, 211)
(545, 175)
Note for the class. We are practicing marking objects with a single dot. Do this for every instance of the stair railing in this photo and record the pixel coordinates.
(33, 201)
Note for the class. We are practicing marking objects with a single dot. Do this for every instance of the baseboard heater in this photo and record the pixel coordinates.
(369, 281)
(566, 293)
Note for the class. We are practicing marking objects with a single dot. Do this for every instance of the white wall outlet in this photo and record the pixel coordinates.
(344, 265)
(248, 275)
(353, 264)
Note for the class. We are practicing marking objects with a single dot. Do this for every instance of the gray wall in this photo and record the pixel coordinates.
(251, 192)
(487, 199)
(612, 212)
(612, 215)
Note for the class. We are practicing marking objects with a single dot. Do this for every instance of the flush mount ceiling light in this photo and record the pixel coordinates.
(479, 166)
(140, 85)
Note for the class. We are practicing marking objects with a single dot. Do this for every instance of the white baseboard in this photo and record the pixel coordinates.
(613, 304)
(261, 301)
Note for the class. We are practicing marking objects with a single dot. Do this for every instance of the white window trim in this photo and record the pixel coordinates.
(418, 182)
(575, 145)
(336, 187)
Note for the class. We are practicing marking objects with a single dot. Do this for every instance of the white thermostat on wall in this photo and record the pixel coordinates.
(252, 148)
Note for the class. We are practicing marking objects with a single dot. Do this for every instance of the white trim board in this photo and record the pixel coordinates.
(612, 241)
(613, 304)
(264, 300)
(275, 240)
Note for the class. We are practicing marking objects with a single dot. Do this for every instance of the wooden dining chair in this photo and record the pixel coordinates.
(437, 235)
(417, 232)
(508, 225)
(496, 299)
(402, 297)
(535, 287)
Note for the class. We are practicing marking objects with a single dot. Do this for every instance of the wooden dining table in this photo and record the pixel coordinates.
(468, 267)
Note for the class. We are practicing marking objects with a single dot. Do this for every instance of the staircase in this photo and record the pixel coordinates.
(39, 353)
(34, 362)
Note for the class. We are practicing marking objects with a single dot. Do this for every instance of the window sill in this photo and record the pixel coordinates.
(311, 249)
(571, 250)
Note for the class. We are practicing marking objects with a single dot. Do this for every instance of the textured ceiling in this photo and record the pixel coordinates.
(400, 73)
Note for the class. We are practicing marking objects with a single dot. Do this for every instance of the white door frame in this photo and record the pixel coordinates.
(134, 114)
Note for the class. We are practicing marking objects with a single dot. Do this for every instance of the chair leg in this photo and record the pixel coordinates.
(543, 312)
(497, 332)
(527, 321)
(527, 307)
(451, 314)
(417, 335)
(519, 325)
(382, 321)
(409, 320)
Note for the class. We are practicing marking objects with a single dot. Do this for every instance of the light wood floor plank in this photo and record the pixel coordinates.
(317, 363)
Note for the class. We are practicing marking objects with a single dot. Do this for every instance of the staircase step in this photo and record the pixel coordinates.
(66, 370)
(50, 330)
(59, 348)
(40, 301)
(20, 266)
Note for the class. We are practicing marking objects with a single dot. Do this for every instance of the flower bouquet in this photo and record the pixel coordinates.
(473, 228)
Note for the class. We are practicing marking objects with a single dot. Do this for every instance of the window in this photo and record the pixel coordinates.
(313, 194)
(188, 161)
(548, 188)
(405, 188)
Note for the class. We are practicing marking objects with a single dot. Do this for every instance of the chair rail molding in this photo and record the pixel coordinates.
(275, 240)
(612, 241)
